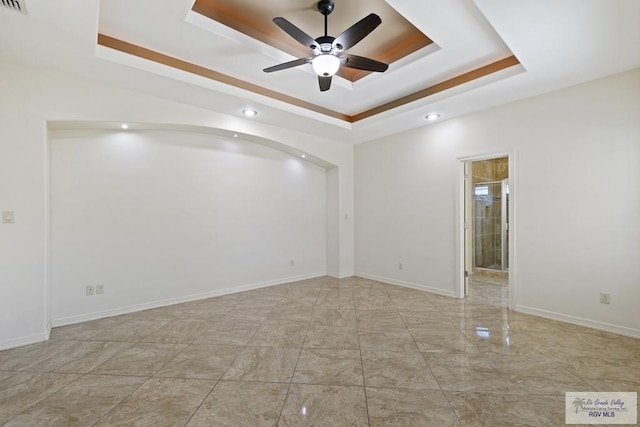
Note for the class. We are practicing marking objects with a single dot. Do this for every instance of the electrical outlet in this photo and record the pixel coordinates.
(400, 266)
(605, 298)
(91, 290)
(8, 217)
(99, 289)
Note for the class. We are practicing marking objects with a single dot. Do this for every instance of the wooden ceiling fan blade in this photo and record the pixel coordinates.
(324, 82)
(362, 63)
(357, 31)
(285, 65)
(295, 32)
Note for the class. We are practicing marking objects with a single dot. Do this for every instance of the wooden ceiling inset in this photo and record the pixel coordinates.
(394, 39)
(141, 52)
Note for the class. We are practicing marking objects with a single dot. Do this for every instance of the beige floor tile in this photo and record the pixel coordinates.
(379, 319)
(130, 330)
(280, 333)
(266, 364)
(406, 369)
(205, 312)
(419, 408)
(336, 298)
(253, 317)
(329, 366)
(490, 410)
(25, 358)
(372, 302)
(235, 404)
(159, 402)
(267, 302)
(442, 341)
(8, 357)
(387, 339)
(334, 317)
(81, 403)
(551, 385)
(411, 302)
(460, 363)
(615, 384)
(85, 330)
(300, 312)
(228, 334)
(142, 359)
(528, 365)
(496, 366)
(6, 375)
(80, 358)
(603, 367)
(324, 405)
(205, 362)
(337, 337)
(25, 389)
(426, 319)
(179, 331)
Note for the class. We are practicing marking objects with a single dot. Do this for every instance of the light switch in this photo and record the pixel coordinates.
(8, 217)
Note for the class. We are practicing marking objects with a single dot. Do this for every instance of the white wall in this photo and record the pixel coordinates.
(577, 201)
(22, 244)
(333, 223)
(167, 216)
(30, 98)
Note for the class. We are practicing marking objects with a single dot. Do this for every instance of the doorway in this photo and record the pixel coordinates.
(486, 224)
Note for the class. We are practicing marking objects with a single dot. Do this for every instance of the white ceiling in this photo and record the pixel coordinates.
(558, 43)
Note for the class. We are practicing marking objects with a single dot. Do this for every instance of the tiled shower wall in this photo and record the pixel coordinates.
(487, 250)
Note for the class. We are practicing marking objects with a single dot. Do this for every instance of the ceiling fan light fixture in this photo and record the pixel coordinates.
(325, 65)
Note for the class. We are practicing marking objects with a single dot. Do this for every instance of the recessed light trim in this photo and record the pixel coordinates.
(432, 116)
(249, 112)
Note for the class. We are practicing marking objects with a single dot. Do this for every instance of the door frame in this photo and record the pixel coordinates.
(462, 212)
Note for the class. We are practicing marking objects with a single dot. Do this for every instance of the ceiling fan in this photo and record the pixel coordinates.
(327, 51)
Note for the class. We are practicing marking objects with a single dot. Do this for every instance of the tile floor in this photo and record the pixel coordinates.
(322, 352)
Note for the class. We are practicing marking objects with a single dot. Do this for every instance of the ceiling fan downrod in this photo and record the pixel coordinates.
(325, 7)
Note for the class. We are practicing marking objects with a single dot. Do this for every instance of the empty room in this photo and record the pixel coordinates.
(328, 213)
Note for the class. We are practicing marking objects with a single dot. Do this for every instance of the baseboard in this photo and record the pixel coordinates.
(411, 285)
(338, 275)
(602, 326)
(25, 340)
(47, 329)
(178, 300)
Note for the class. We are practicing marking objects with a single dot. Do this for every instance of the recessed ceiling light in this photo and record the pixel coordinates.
(304, 156)
(249, 112)
(235, 135)
(124, 126)
(432, 116)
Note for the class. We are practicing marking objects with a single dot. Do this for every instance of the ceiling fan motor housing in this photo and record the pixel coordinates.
(325, 7)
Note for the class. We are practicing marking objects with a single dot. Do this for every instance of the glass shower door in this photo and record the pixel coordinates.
(491, 229)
